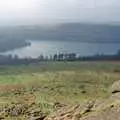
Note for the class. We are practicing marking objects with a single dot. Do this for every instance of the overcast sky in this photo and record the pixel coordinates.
(53, 11)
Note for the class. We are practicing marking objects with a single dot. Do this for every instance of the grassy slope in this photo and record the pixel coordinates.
(68, 83)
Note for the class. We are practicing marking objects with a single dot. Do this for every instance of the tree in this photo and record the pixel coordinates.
(118, 53)
(41, 57)
(60, 56)
(9, 56)
(55, 57)
(16, 57)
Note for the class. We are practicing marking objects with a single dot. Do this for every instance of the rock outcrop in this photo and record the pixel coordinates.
(115, 87)
(108, 109)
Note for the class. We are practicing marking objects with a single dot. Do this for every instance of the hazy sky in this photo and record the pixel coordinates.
(52, 11)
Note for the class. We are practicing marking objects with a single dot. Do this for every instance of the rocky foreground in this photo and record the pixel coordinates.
(108, 109)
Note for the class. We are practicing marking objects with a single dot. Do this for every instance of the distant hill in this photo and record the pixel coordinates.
(14, 37)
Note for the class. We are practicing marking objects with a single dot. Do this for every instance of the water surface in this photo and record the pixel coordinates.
(53, 47)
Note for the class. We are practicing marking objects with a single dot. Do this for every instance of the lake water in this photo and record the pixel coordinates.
(53, 47)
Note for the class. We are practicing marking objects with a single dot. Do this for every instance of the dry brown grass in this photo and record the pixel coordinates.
(8, 88)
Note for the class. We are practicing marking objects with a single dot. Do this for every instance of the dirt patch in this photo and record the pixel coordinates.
(11, 88)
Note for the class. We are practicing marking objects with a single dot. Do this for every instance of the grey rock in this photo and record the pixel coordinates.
(115, 88)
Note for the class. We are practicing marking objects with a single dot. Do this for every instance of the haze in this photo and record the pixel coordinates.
(19, 12)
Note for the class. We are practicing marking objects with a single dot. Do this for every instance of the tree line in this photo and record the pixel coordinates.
(15, 60)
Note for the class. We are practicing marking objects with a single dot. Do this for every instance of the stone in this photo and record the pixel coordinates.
(115, 88)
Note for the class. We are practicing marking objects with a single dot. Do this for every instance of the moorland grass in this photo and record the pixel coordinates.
(65, 82)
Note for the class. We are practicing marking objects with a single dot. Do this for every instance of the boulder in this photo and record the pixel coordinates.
(115, 88)
(72, 112)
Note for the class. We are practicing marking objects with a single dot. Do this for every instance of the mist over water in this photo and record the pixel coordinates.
(52, 47)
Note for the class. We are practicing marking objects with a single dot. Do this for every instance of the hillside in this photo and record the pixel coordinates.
(60, 91)
(14, 37)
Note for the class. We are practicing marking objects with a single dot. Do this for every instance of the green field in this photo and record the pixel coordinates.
(64, 82)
